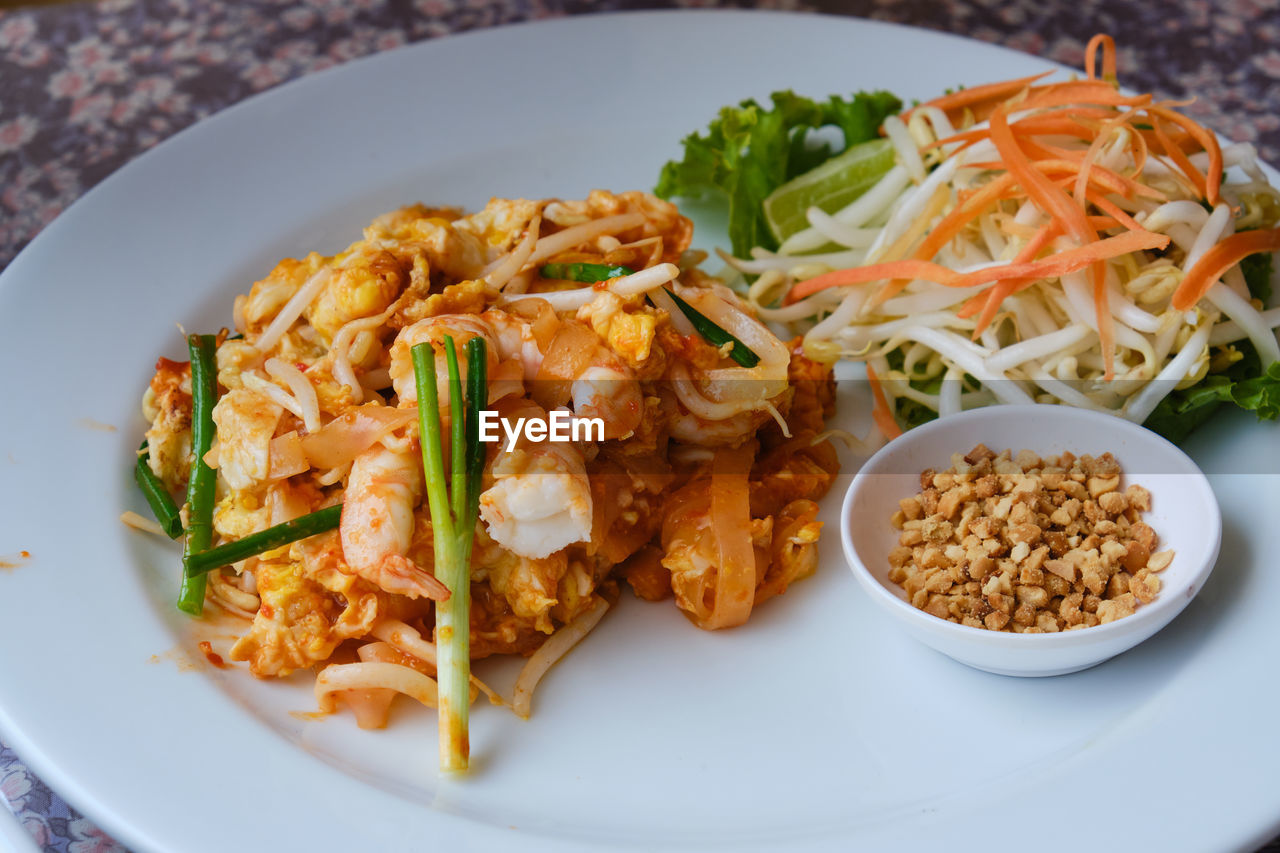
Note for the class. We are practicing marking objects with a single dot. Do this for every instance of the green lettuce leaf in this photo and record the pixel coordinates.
(749, 151)
(1244, 383)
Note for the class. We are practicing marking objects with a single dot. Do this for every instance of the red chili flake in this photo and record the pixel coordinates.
(214, 657)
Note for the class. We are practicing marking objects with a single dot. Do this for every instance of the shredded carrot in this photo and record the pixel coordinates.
(908, 269)
(951, 225)
(1028, 123)
(880, 408)
(1067, 260)
(1180, 159)
(1102, 316)
(1058, 205)
(1056, 123)
(1088, 162)
(1207, 140)
(1063, 122)
(1111, 209)
(1222, 257)
(973, 304)
(1051, 200)
(968, 137)
(997, 293)
(990, 92)
(1059, 264)
(1077, 92)
(1180, 138)
(1105, 179)
(1108, 45)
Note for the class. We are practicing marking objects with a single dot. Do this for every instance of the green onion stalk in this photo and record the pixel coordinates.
(584, 272)
(202, 481)
(714, 334)
(157, 495)
(454, 510)
(264, 540)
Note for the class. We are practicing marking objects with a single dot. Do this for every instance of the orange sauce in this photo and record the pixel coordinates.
(212, 656)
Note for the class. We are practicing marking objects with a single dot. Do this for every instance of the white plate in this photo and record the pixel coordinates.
(819, 725)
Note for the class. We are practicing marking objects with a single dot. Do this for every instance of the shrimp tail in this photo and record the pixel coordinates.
(401, 576)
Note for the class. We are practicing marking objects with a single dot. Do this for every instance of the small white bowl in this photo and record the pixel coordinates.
(1184, 514)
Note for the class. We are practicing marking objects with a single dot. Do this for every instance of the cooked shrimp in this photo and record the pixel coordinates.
(606, 388)
(377, 523)
(433, 330)
(540, 500)
(516, 340)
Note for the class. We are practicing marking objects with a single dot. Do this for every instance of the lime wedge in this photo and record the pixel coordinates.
(830, 186)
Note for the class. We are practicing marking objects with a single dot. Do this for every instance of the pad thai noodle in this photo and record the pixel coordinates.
(701, 488)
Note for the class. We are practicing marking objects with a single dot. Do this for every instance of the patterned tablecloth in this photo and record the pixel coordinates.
(86, 87)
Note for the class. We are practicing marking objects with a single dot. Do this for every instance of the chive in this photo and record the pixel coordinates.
(453, 523)
(200, 485)
(585, 273)
(715, 335)
(157, 495)
(264, 540)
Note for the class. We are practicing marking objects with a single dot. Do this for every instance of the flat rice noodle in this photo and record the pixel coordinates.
(731, 525)
(344, 438)
(568, 356)
(541, 317)
(371, 706)
(340, 679)
(286, 456)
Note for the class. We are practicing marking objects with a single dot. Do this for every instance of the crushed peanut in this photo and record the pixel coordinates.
(1027, 544)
